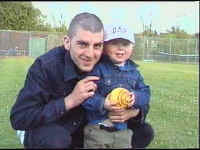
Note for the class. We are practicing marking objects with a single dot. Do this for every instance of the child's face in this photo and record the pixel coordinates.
(118, 51)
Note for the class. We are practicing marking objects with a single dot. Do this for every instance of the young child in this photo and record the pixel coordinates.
(115, 70)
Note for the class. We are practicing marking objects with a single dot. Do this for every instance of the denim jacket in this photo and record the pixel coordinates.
(112, 76)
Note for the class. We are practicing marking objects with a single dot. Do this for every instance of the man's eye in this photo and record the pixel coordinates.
(82, 45)
(98, 46)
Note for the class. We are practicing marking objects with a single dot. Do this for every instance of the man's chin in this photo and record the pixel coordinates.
(86, 68)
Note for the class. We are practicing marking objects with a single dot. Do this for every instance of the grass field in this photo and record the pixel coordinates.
(174, 112)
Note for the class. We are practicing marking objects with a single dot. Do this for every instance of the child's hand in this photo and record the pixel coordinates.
(132, 102)
(110, 105)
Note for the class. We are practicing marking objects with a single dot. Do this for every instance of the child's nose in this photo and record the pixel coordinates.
(121, 47)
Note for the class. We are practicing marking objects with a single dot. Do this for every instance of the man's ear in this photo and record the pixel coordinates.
(66, 42)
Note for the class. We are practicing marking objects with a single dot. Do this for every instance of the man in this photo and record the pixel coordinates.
(48, 106)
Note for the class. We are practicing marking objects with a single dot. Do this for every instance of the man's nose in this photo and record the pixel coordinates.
(90, 51)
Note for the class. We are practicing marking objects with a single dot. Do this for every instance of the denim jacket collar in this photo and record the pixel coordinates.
(129, 65)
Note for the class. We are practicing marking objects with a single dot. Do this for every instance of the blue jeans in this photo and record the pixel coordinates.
(53, 136)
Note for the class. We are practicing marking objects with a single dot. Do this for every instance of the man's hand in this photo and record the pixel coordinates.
(84, 89)
(122, 115)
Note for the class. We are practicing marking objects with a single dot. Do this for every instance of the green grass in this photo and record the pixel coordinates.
(12, 76)
(174, 102)
(174, 111)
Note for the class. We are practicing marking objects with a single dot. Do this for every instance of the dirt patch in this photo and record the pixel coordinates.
(20, 57)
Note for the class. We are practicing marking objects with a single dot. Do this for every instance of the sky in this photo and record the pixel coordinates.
(162, 15)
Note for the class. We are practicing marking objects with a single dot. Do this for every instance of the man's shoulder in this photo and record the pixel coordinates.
(53, 56)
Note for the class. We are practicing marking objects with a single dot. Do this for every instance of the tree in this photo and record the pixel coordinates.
(148, 30)
(21, 16)
(61, 27)
(177, 32)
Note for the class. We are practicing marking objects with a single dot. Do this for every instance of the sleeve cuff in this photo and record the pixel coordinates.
(60, 107)
(102, 110)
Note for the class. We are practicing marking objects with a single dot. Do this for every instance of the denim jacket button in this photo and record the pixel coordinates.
(74, 123)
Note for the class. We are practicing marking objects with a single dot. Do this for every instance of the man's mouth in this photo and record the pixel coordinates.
(86, 61)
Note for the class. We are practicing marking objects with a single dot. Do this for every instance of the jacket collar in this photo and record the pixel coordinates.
(129, 65)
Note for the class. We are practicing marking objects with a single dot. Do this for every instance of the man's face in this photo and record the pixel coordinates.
(118, 52)
(85, 48)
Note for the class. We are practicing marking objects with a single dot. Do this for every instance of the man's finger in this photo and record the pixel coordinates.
(117, 109)
(90, 78)
(116, 119)
(91, 86)
(116, 113)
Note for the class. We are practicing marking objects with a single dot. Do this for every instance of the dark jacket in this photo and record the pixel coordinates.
(41, 101)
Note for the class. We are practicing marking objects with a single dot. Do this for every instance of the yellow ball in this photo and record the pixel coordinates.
(120, 96)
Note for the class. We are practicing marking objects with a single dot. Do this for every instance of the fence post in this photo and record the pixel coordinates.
(196, 51)
(144, 42)
(29, 45)
(187, 47)
(170, 46)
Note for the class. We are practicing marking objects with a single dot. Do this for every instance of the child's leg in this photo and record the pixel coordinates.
(123, 139)
(94, 137)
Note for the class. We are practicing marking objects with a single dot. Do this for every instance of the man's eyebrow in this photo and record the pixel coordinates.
(98, 43)
(82, 42)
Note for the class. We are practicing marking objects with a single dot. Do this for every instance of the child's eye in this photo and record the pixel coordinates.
(113, 42)
(125, 44)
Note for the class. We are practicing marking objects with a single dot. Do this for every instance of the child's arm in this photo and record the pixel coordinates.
(95, 103)
(142, 98)
(141, 92)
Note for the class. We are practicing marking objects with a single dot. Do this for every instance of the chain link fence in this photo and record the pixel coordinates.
(18, 43)
(167, 50)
